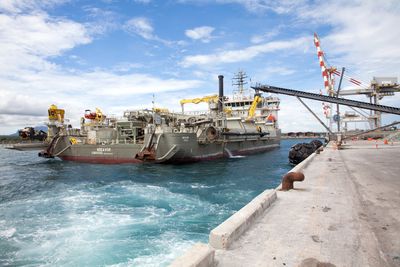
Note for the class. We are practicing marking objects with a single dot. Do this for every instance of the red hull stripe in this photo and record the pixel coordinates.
(100, 160)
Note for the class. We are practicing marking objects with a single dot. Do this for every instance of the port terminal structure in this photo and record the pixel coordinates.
(376, 90)
(329, 99)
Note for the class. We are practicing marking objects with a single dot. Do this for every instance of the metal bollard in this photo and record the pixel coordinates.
(289, 178)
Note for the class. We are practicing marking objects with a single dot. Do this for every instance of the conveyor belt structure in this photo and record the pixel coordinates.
(330, 99)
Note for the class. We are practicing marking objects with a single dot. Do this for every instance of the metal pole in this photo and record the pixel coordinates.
(323, 124)
(337, 95)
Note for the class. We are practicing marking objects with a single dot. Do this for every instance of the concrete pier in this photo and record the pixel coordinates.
(345, 213)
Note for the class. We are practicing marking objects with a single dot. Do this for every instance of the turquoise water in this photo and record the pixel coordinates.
(55, 213)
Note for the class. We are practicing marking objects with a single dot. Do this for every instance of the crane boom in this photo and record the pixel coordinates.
(326, 73)
(211, 98)
(252, 109)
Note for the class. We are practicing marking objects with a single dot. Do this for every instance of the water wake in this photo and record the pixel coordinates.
(231, 156)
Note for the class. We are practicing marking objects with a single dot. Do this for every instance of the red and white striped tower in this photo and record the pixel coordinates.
(328, 81)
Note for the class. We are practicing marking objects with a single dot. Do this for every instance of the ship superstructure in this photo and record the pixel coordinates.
(242, 124)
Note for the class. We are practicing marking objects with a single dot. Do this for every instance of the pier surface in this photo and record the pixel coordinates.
(345, 213)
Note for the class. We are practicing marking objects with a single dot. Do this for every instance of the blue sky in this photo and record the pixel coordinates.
(115, 54)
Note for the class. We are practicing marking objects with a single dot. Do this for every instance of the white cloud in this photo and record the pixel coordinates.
(259, 38)
(18, 6)
(30, 81)
(246, 54)
(364, 37)
(200, 33)
(278, 70)
(142, 1)
(27, 40)
(257, 6)
(142, 27)
(294, 117)
(102, 20)
(33, 93)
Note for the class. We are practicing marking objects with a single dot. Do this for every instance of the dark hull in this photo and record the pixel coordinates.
(101, 154)
(188, 149)
(168, 148)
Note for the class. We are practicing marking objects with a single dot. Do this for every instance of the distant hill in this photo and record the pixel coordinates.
(9, 138)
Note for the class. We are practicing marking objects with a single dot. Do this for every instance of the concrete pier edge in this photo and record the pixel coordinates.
(221, 237)
(231, 229)
(199, 255)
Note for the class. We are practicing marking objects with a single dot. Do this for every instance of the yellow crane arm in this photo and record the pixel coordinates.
(252, 109)
(213, 98)
(199, 99)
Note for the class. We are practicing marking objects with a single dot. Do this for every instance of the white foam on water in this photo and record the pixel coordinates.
(8, 233)
(94, 225)
(170, 246)
(198, 185)
(231, 156)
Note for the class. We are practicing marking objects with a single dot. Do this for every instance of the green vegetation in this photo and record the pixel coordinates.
(6, 139)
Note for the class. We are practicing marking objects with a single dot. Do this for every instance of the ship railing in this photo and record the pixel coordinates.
(197, 112)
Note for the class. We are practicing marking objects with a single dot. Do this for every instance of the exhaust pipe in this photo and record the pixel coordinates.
(221, 93)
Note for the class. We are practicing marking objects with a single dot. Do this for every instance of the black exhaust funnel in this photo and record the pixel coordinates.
(221, 93)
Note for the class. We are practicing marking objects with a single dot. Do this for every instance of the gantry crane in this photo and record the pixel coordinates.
(379, 87)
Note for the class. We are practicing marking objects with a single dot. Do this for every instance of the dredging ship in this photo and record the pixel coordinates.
(242, 124)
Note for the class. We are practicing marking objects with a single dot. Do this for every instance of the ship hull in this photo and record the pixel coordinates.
(171, 148)
(190, 149)
(101, 154)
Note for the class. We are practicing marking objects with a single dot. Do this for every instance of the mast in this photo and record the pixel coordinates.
(239, 80)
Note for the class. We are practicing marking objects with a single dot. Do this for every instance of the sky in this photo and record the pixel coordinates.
(122, 54)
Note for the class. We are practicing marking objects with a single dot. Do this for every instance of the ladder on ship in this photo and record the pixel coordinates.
(324, 98)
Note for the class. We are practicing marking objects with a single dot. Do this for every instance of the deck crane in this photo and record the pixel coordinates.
(204, 99)
(252, 109)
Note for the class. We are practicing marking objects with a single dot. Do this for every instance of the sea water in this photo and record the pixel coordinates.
(58, 213)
